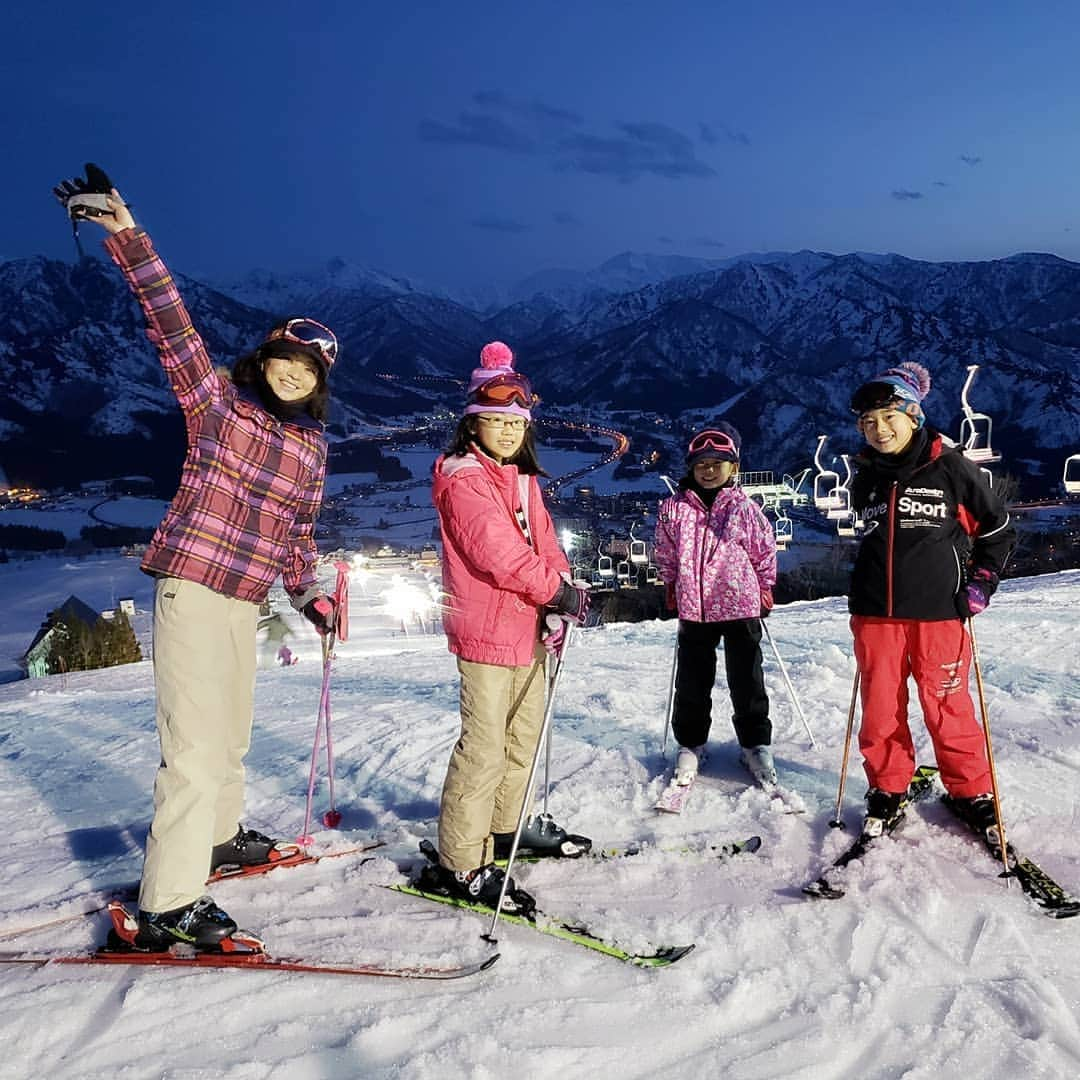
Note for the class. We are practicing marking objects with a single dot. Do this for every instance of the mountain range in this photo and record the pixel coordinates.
(774, 342)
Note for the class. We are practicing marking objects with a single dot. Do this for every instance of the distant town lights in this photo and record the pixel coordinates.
(568, 539)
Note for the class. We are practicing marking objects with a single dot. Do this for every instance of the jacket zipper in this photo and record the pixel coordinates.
(889, 552)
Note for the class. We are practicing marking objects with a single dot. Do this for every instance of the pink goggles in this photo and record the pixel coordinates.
(713, 440)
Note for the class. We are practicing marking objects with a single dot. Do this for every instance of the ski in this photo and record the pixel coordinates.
(825, 887)
(299, 857)
(717, 851)
(244, 953)
(625, 851)
(1037, 885)
(552, 926)
(129, 890)
(673, 797)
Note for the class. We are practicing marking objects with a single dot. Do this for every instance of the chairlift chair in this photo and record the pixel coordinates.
(605, 565)
(1071, 476)
(638, 554)
(622, 571)
(652, 575)
(784, 530)
(841, 494)
(976, 428)
(848, 524)
(826, 482)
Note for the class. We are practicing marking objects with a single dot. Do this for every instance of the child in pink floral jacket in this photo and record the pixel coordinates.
(716, 551)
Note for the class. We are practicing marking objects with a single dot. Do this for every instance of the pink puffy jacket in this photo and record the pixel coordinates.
(495, 582)
(719, 558)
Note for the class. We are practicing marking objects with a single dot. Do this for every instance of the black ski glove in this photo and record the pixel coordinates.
(571, 602)
(86, 198)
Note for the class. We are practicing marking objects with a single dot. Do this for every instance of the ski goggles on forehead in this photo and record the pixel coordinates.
(308, 332)
(513, 389)
(712, 440)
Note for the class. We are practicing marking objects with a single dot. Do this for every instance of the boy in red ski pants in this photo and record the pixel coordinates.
(936, 539)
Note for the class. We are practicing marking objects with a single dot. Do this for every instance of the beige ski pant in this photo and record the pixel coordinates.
(204, 671)
(502, 711)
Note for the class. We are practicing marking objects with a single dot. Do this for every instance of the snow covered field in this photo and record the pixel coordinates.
(929, 968)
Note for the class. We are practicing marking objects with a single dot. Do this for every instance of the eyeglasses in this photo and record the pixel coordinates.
(308, 332)
(514, 423)
(713, 440)
(510, 389)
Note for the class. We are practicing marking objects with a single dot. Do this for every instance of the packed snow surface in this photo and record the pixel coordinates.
(930, 967)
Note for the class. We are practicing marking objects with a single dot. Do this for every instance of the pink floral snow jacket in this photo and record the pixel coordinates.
(719, 559)
(495, 580)
(251, 485)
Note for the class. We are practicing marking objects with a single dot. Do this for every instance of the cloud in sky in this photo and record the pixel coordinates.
(639, 148)
(970, 159)
(564, 217)
(940, 183)
(709, 241)
(643, 148)
(904, 195)
(497, 224)
(536, 110)
(711, 137)
(476, 129)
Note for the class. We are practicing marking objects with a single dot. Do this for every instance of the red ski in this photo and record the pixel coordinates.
(130, 890)
(240, 951)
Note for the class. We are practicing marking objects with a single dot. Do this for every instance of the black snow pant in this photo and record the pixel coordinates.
(697, 673)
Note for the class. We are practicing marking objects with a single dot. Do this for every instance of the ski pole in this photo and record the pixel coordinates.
(332, 817)
(305, 837)
(530, 787)
(787, 683)
(837, 821)
(669, 713)
(338, 632)
(989, 749)
(547, 752)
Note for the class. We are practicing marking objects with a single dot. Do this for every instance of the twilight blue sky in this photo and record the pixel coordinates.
(461, 142)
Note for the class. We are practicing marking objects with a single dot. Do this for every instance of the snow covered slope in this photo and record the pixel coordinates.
(930, 967)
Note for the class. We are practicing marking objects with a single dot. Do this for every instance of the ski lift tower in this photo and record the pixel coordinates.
(976, 428)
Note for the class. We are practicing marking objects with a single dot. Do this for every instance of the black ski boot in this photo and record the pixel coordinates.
(480, 886)
(248, 848)
(541, 836)
(202, 925)
(980, 813)
(884, 811)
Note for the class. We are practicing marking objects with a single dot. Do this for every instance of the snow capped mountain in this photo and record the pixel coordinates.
(787, 336)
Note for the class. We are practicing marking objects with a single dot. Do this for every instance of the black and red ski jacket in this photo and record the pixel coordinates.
(929, 524)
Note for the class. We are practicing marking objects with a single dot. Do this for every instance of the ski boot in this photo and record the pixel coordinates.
(202, 925)
(759, 763)
(980, 813)
(884, 812)
(249, 848)
(480, 886)
(541, 836)
(687, 763)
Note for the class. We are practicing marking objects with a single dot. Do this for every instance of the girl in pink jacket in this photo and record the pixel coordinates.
(716, 551)
(503, 571)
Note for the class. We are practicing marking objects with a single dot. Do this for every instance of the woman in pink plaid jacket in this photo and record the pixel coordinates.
(250, 490)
